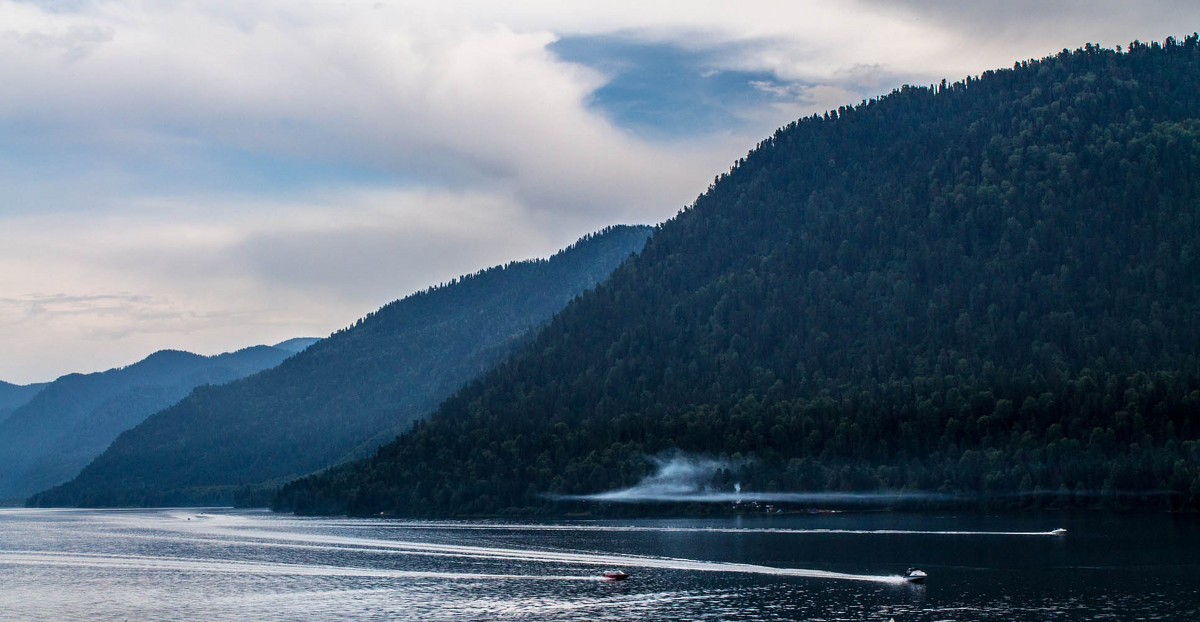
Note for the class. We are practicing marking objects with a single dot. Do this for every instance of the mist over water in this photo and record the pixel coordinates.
(637, 494)
(230, 565)
(681, 478)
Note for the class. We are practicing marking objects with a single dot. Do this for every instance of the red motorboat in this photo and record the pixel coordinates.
(616, 575)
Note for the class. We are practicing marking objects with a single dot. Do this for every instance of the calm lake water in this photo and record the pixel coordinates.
(232, 565)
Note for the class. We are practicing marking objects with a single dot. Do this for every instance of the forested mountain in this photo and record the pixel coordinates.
(15, 395)
(50, 438)
(347, 394)
(987, 287)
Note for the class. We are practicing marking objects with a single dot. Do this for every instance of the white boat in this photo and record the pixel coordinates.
(915, 575)
(1059, 532)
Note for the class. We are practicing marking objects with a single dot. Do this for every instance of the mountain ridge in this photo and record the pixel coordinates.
(362, 385)
(72, 419)
(13, 396)
(296, 344)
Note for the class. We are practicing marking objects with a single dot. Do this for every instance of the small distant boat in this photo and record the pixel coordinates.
(915, 575)
(616, 575)
(1059, 532)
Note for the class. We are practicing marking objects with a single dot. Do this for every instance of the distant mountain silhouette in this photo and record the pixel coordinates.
(47, 440)
(14, 395)
(344, 395)
(297, 344)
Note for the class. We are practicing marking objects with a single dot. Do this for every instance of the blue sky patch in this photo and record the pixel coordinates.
(664, 91)
(191, 164)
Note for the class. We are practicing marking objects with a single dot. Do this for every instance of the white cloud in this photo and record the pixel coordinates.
(387, 89)
(115, 287)
(413, 140)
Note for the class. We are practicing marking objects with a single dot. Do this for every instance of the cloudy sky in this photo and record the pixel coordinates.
(207, 175)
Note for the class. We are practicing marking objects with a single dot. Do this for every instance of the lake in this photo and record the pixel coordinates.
(237, 565)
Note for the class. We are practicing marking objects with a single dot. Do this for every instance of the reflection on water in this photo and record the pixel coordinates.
(198, 564)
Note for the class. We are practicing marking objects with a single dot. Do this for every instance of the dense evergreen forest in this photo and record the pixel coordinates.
(987, 287)
(345, 395)
(68, 422)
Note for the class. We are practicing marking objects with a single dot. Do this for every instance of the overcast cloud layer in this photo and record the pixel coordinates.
(209, 175)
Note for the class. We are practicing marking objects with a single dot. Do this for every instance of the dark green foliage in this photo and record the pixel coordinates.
(345, 395)
(988, 286)
(47, 440)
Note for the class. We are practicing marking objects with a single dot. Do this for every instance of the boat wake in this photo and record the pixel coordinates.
(247, 532)
(159, 563)
(450, 525)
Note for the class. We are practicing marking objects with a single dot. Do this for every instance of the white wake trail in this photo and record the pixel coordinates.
(243, 530)
(144, 562)
(430, 525)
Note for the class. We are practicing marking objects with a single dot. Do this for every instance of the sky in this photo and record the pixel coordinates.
(209, 175)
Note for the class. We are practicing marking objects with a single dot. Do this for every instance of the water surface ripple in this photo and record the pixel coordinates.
(234, 565)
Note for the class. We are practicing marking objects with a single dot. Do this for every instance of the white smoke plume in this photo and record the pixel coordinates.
(681, 478)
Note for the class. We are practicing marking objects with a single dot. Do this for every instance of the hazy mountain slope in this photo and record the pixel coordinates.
(361, 385)
(14, 395)
(983, 287)
(296, 344)
(49, 439)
